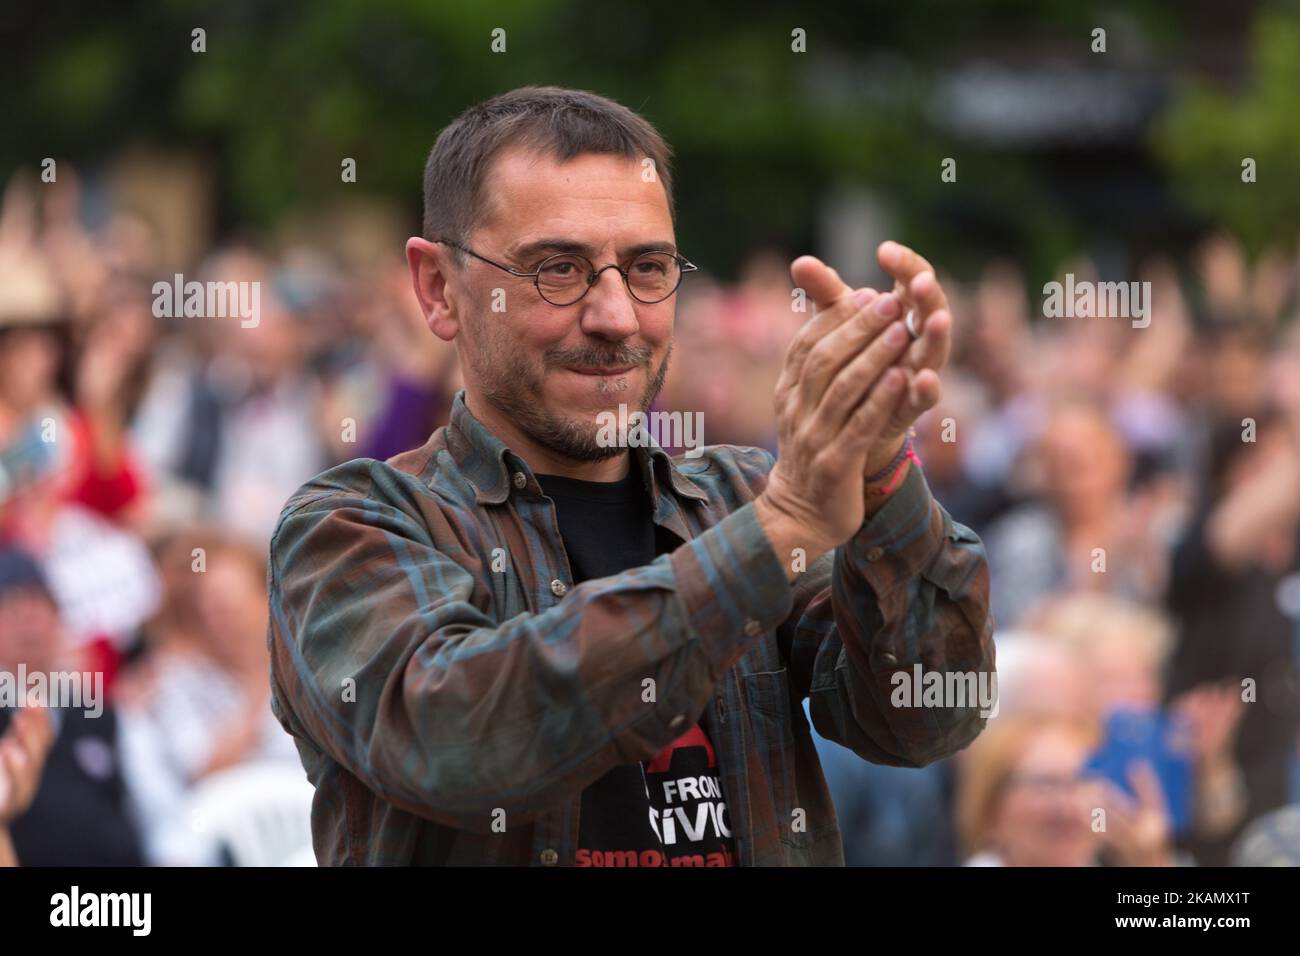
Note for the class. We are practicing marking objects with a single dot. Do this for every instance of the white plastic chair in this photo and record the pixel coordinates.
(259, 812)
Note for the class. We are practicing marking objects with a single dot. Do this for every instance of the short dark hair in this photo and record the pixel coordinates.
(549, 119)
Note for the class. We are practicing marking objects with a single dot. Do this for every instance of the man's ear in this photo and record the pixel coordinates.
(429, 262)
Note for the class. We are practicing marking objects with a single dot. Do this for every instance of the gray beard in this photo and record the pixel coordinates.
(515, 394)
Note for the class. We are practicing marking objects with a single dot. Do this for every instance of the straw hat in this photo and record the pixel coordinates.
(29, 292)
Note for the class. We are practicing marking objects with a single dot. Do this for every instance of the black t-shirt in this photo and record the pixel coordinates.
(668, 811)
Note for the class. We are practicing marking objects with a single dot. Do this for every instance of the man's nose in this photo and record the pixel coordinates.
(608, 309)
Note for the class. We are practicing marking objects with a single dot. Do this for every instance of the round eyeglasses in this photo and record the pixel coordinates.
(566, 277)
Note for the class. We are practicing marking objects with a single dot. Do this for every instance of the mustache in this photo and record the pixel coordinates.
(596, 356)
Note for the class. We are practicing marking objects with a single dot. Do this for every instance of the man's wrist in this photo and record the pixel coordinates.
(785, 535)
(880, 465)
(880, 485)
(876, 497)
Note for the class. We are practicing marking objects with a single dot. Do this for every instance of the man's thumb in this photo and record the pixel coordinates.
(821, 283)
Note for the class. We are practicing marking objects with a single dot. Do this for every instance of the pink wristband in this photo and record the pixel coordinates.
(896, 478)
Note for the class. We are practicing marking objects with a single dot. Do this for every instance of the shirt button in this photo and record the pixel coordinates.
(889, 659)
(520, 479)
(549, 857)
(677, 721)
(753, 628)
(875, 554)
(559, 588)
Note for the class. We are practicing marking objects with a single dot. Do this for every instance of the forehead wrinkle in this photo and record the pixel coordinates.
(506, 186)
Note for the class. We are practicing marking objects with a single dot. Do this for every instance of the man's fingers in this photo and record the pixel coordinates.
(821, 283)
(816, 329)
(924, 392)
(926, 293)
(901, 262)
(932, 348)
(827, 342)
(867, 422)
(843, 344)
(846, 391)
(924, 296)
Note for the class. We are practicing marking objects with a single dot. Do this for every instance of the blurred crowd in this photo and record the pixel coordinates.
(1138, 491)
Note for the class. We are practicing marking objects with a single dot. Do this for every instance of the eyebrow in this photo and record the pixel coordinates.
(532, 252)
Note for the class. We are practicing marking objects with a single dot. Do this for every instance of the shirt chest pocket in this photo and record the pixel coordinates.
(767, 694)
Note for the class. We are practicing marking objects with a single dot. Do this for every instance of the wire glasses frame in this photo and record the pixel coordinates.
(683, 265)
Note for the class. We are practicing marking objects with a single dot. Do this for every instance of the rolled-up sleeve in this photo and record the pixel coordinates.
(905, 598)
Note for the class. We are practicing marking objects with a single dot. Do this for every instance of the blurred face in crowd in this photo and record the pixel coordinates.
(1084, 358)
(1235, 371)
(1127, 673)
(545, 370)
(1042, 818)
(126, 325)
(1085, 462)
(29, 630)
(1052, 682)
(270, 350)
(230, 601)
(29, 363)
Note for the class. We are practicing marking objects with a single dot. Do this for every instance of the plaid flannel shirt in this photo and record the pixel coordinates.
(451, 692)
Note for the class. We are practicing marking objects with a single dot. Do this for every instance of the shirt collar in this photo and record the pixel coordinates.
(490, 466)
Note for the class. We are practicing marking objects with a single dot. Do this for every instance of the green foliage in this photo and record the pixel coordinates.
(1209, 131)
(285, 91)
